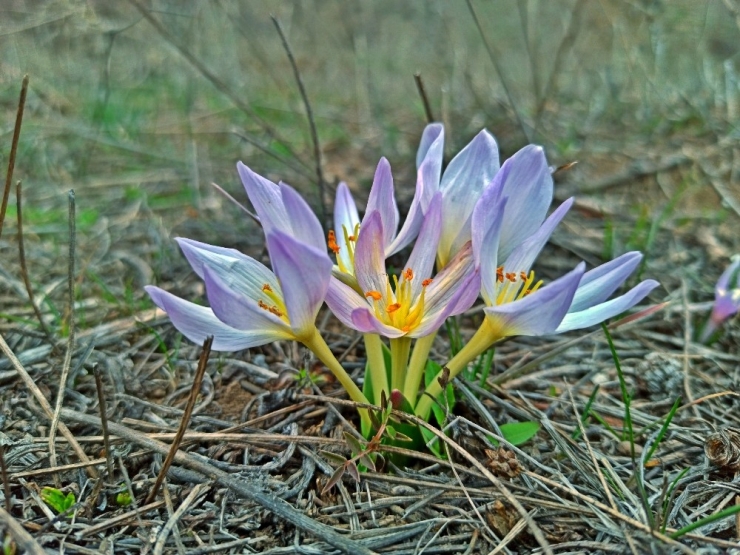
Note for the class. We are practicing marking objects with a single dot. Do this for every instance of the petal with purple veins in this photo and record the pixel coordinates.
(598, 284)
(241, 312)
(266, 198)
(382, 198)
(198, 322)
(241, 273)
(304, 273)
(526, 180)
(302, 220)
(604, 311)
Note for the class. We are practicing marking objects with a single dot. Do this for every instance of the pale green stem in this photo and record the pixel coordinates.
(400, 348)
(483, 339)
(322, 351)
(376, 362)
(418, 362)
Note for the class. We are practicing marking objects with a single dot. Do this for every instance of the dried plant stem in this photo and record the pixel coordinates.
(13, 150)
(45, 406)
(24, 541)
(71, 339)
(104, 420)
(6, 484)
(185, 420)
(424, 99)
(24, 268)
(311, 121)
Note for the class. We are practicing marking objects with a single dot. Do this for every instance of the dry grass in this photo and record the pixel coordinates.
(643, 95)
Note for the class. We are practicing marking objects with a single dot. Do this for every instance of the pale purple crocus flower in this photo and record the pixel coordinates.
(726, 299)
(516, 303)
(281, 208)
(249, 304)
(347, 224)
(413, 304)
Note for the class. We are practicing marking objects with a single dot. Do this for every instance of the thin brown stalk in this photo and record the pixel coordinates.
(24, 267)
(71, 328)
(311, 121)
(104, 419)
(185, 420)
(4, 471)
(424, 98)
(13, 150)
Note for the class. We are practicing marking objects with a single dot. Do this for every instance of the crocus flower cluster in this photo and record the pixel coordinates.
(477, 228)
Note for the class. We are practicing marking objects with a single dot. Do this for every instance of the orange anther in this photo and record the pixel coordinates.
(426, 282)
(266, 287)
(276, 311)
(263, 305)
(523, 276)
(511, 276)
(500, 274)
(393, 307)
(374, 295)
(332, 242)
(408, 274)
(352, 238)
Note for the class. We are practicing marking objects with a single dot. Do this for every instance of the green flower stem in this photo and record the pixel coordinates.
(322, 351)
(418, 362)
(482, 340)
(376, 361)
(400, 348)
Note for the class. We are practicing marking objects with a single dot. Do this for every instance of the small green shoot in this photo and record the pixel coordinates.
(586, 412)
(57, 500)
(123, 499)
(629, 434)
(663, 429)
(453, 333)
(669, 496)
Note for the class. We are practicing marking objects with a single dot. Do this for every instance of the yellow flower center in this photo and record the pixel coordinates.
(274, 303)
(512, 286)
(397, 306)
(350, 240)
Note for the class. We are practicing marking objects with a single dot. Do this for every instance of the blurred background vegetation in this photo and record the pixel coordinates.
(147, 106)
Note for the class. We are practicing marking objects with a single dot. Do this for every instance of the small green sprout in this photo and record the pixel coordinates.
(57, 500)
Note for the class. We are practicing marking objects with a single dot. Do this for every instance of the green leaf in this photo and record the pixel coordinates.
(434, 446)
(430, 372)
(367, 390)
(353, 443)
(333, 457)
(517, 433)
(57, 500)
